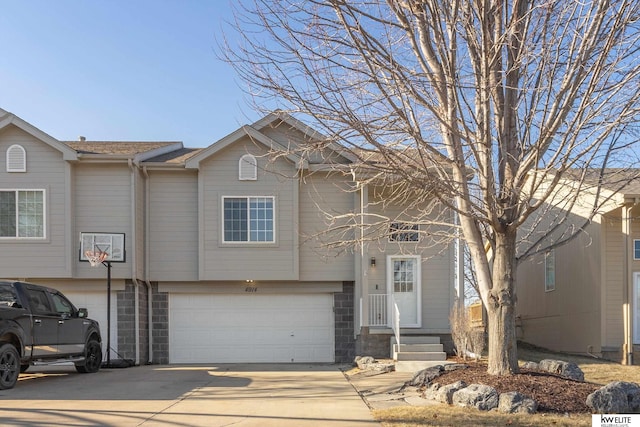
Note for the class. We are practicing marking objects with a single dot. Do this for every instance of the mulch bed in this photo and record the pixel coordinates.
(553, 393)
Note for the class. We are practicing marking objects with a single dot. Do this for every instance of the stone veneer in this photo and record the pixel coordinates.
(160, 325)
(345, 348)
(126, 319)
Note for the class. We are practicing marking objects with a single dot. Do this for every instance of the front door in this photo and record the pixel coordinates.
(403, 282)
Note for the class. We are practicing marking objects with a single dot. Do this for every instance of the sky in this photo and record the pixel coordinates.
(132, 70)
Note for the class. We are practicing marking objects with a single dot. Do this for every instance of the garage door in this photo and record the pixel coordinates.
(251, 328)
(96, 304)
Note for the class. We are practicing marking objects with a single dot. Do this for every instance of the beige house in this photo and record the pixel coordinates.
(584, 297)
(217, 254)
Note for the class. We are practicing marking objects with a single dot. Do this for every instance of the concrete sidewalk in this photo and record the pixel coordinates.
(156, 395)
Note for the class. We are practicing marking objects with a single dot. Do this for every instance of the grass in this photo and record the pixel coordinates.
(597, 371)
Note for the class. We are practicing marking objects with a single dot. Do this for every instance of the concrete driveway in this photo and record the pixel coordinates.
(191, 395)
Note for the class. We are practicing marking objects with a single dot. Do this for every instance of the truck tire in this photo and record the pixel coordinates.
(9, 366)
(92, 358)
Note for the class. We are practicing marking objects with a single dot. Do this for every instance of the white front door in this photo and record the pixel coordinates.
(403, 282)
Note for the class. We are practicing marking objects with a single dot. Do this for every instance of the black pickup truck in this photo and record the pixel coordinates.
(39, 325)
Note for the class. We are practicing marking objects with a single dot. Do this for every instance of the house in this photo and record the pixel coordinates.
(584, 297)
(216, 252)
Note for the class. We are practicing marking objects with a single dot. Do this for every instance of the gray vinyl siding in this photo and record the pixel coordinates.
(173, 226)
(46, 170)
(102, 204)
(322, 193)
(218, 177)
(436, 264)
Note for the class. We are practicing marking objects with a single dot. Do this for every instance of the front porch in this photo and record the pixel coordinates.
(383, 336)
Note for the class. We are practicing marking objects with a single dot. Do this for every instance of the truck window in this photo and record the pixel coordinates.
(63, 306)
(8, 296)
(39, 302)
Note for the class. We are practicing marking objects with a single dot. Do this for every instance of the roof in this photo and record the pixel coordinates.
(125, 148)
(617, 180)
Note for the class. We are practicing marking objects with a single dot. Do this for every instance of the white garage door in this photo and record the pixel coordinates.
(251, 328)
(96, 304)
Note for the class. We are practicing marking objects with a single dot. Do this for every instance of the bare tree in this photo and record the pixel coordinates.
(486, 106)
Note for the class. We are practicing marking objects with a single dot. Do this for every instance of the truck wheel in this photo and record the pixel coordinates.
(9, 366)
(93, 358)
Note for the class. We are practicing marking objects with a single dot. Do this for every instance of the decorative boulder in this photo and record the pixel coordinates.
(455, 366)
(445, 393)
(533, 366)
(618, 397)
(566, 369)
(479, 396)
(431, 392)
(362, 361)
(425, 376)
(514, 402)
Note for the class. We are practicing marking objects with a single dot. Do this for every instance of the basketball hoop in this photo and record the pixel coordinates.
(95, 257)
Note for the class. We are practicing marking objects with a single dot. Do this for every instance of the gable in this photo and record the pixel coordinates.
(8, 120)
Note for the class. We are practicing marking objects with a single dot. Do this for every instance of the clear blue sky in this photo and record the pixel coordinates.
(120, 69)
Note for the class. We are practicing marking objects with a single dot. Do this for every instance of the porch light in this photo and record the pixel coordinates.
(373, 261)
(249, 281)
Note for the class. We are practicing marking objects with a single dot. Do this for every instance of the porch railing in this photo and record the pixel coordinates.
(378, 308)
(395, 320)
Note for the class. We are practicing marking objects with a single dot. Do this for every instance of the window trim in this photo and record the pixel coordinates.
(248, 242)
(44, 214)
(550, 270)
(248, 163)
(22, 152)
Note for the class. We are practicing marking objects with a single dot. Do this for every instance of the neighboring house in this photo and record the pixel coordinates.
(584, 297)
(220, 256)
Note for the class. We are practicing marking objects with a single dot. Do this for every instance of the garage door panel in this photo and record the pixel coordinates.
(251, 328)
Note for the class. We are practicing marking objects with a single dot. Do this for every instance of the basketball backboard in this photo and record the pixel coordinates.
(111, 243)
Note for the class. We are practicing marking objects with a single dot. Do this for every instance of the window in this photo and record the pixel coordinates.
(403, 232)
(248, 219)
(248, 168)
(22, 213)
(16, 159)
(550, 271)
(403, 275)
(636, 249)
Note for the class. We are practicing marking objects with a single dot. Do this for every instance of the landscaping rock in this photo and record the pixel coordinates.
(514, 402)
(445, 393)
(431, 392)
(618, 397)
(425, 376)
(362, 361)
(531, 365)
(455, 366)
(478, 396)
(566, 369)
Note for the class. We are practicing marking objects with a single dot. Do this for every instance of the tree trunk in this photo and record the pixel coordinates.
(503, 352)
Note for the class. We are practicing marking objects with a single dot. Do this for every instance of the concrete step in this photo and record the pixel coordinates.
(435, 356)
(418, 347)
(417, 365)
(416, 339)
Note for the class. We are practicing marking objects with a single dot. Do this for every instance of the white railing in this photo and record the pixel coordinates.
(395, 320)
(378, 308)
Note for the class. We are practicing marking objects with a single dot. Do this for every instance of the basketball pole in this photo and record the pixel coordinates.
(108, 265)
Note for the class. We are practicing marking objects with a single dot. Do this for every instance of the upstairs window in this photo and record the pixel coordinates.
(550, 271)
(22, 214)
(636, 249)
(16, 159)
(247, 168)
(248, 219)
(403, 232)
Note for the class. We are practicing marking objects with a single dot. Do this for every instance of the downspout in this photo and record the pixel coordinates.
(134, 268)
(627, 283)
(145, 173)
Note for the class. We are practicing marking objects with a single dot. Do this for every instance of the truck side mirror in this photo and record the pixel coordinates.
(83, 313)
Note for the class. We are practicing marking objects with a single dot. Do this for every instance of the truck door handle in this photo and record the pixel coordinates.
(60, 322)
(37, 321)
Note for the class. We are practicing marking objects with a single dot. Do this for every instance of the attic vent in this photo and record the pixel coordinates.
(247, 168)
(16, 159)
